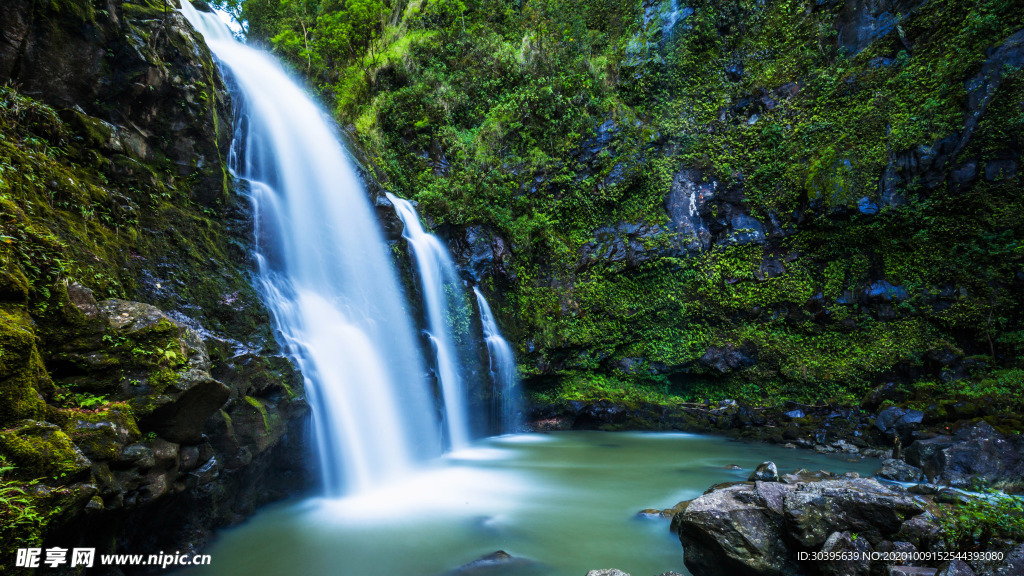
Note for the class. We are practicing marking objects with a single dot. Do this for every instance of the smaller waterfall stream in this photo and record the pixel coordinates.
(507, 401)
(440, 285)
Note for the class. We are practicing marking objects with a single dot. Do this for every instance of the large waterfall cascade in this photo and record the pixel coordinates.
(507, 401)
(326, 275)
(334, 297)
(439, 285)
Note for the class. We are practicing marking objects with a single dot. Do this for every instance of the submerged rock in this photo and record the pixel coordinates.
(495, 562)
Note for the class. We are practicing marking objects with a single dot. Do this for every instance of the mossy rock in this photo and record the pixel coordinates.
(13, 284)
(102, 435)
(41, 449)
(21, 371)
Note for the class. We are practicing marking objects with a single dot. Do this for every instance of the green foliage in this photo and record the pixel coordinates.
(89, 400)
(21, 522)
(974, 524)
(549, 121)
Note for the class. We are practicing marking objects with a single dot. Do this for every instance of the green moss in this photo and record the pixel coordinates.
(40, 449)
(255, 403)
(22, 375)
(101, 434)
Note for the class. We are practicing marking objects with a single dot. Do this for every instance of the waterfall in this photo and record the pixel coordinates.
(507, 400)
(325, 273)
(440, 286)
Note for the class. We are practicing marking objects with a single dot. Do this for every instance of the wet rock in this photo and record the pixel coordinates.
(769, 268)
(480, 253)
(804, 475)
(861, 22)
(955, 568)
(996, 170)
(866, 206)
(900, 471)
(626, 243)
(921, 531)
(975, 453)
(839, 543)
(883, 291)
(746, 229)
(485, 564)
(911, 571)
(44, 450)
(1012, 565)
(899, 422)
(737, 530)
(874, 511)
(607, 572)
(82, 299)
(725, 359)
(765, 472)
(158, 62)
(684, 203)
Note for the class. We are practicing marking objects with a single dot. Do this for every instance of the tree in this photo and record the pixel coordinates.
(348, 31)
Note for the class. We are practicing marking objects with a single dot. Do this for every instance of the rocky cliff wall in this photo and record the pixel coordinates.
(143, 399)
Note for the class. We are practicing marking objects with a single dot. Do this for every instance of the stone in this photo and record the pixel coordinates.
(873, 510)
(607, 572)
(82, 299)
(1000, 169)
(899, 421)
(765, 472)
(955, 568)
(684, 204)
(496, 562)
(900, 471)
(976, 452)
(921, 531)
(769, 268)
(866, 206)
(725, 359)
(737, 530)
(747, 229)
(911, 571)
(840, 542)
(1013, 563)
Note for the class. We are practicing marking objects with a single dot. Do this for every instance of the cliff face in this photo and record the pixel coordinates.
(709, 199)
(142, 398)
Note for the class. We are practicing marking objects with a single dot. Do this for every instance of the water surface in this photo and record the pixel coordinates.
(565, 502)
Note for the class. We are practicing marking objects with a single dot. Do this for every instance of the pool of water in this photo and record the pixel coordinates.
(564, 503)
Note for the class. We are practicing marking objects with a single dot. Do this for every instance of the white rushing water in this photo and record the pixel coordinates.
(507, 400)
(326, 275)
(439, 283)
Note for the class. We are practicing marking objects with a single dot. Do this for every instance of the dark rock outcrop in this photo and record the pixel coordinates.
(164, 412)
(117, 71)
(976, 453)
(900, 471)
(757, 528)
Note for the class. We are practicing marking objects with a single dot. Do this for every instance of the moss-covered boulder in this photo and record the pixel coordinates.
(43, 449)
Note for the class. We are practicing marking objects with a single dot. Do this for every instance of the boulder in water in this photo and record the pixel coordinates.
(493, 563)
(765, 472)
